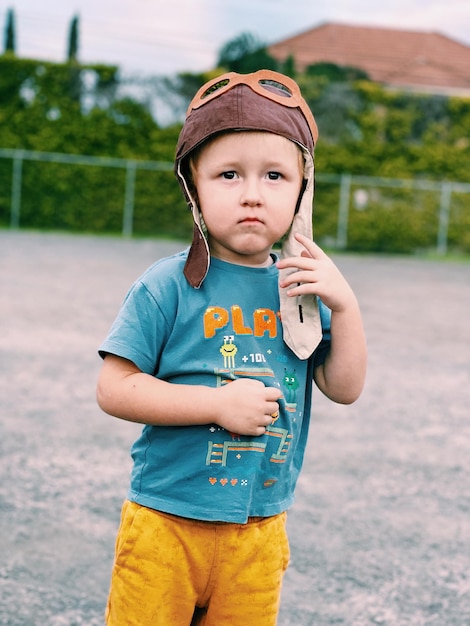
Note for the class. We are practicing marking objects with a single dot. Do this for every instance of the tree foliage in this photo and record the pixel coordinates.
(244, 54)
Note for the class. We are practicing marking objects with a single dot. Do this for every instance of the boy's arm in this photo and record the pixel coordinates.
(341, 377)
(244, 406)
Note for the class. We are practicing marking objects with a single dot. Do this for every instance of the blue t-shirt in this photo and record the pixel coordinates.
(229, 328)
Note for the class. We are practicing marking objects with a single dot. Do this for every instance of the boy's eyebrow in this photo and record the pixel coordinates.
(235, 164)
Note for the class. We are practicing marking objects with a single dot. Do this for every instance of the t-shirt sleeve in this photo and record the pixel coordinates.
(323, 347)
(139, 330)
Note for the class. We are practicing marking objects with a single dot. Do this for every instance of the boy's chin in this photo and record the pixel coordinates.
(248, 249)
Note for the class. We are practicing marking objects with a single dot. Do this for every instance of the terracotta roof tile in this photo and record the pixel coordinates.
(400, 58)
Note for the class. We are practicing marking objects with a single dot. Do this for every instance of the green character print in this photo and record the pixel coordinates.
(291, 384)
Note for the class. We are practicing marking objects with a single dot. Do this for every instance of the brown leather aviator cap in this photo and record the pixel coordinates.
(240, 107)
(262, 101)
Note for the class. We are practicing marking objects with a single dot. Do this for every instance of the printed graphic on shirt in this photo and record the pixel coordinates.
(235, 364)
(264, 321)
(228, 350)
(291, 384)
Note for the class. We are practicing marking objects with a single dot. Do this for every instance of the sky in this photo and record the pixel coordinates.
(164, 37)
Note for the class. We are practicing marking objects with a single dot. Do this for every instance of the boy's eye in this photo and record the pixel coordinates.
(228, 175)
(274, 175)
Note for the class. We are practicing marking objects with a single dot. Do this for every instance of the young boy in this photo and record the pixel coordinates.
(214, 351)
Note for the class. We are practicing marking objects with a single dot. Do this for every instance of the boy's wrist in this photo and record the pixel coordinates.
(208, 405)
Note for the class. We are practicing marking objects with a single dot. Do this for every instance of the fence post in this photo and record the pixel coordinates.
(128, 213)
(343, 212)
(17, 175)
(444, 211)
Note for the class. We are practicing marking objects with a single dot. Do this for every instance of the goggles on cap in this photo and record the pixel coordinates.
(261, 82)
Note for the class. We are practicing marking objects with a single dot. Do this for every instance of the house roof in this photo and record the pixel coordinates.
(400, 58)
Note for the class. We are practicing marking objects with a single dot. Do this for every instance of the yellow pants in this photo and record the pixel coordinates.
(172, 571)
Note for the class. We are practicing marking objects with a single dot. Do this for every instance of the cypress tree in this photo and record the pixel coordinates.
(75, 81)
(72, 51)
(10, 40)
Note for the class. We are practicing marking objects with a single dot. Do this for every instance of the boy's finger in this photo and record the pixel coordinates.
(300, 263)
(273, 394)
(311, 247)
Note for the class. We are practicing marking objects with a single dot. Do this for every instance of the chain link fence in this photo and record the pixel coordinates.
(354, 204)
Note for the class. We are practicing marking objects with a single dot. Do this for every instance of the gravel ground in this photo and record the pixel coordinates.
(380, 532)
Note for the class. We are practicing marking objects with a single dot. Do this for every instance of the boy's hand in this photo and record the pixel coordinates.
(246, 406)
(341, 376)
(318, 275)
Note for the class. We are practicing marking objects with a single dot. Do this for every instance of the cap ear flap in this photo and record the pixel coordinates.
(197, 263)
(300, 316)
(302, 222)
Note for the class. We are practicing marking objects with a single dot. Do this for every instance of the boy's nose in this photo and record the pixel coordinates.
(251, 194)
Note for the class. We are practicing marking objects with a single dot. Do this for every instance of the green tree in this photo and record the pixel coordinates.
(335, 73)
(336, 105)
(244, 54)
(10, 35)
(287, 67)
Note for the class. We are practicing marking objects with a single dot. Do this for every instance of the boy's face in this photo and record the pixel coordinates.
(247, 184)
